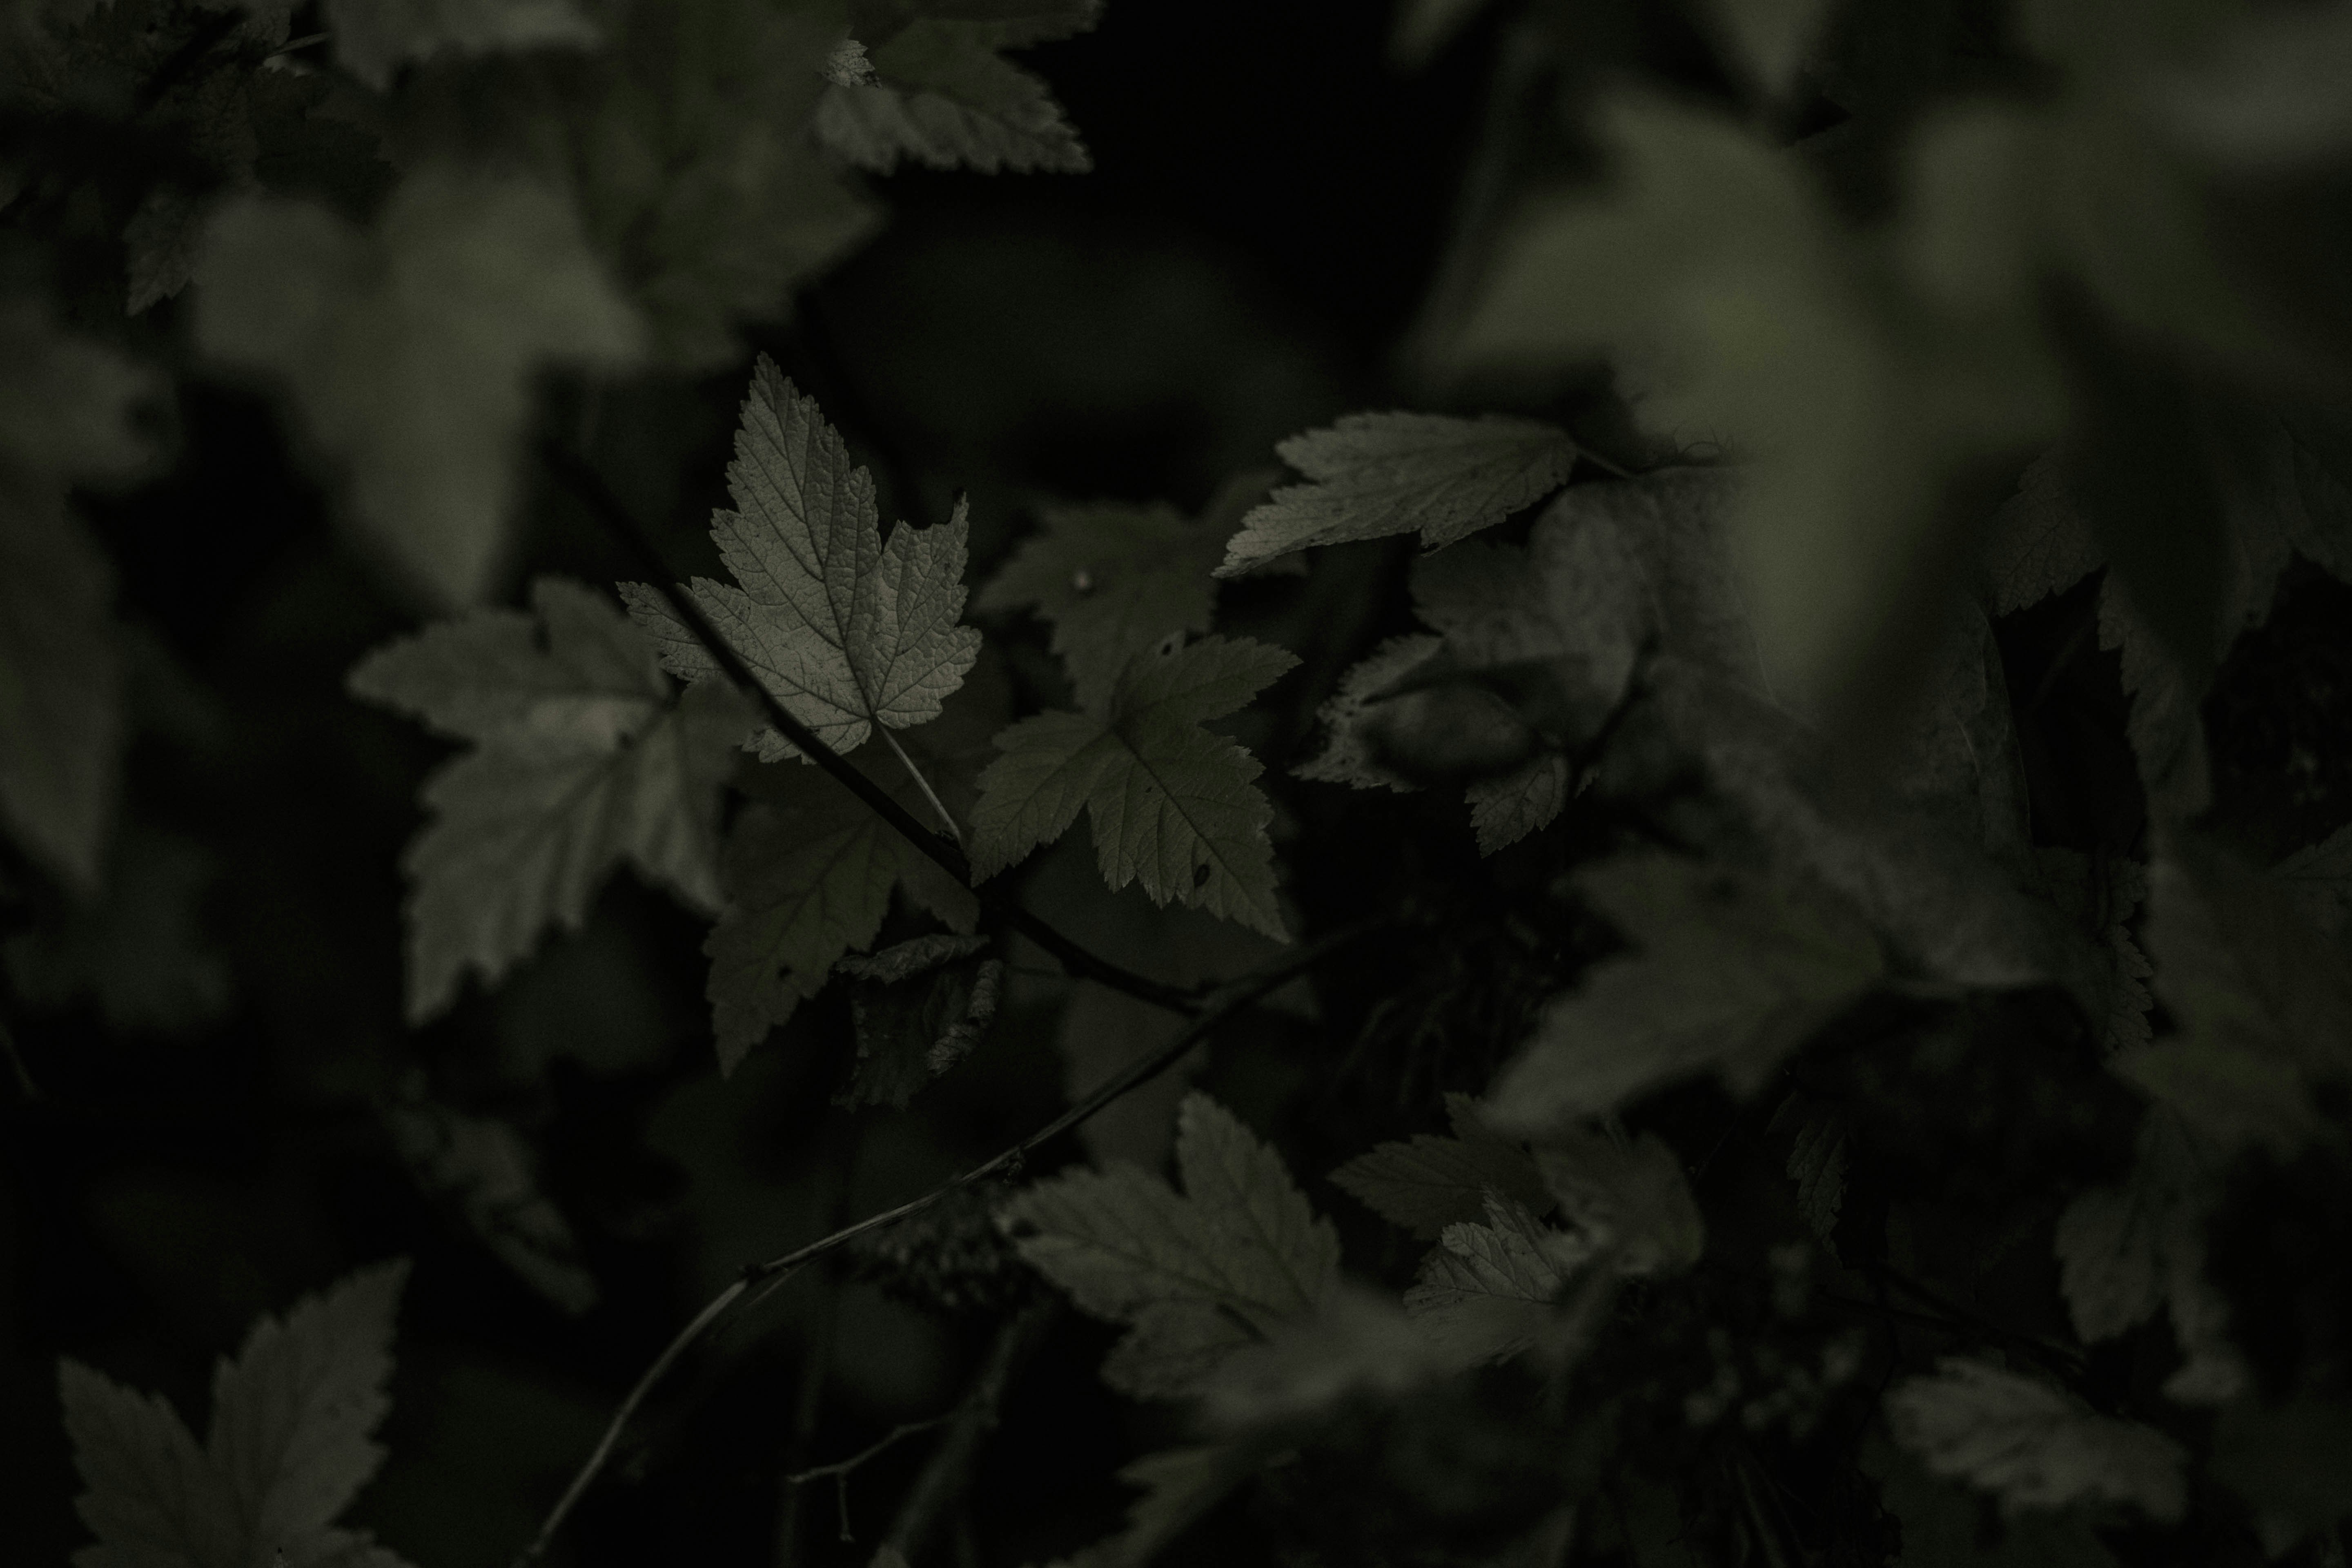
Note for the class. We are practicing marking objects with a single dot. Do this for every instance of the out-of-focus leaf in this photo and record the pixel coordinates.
(1818, 1157)
(1423, 28)
(1770, 37)
(1490, 1291)
(483, 1168)
(1730, 974)
(1172, 805)
(846, 631)
(1627, 1196)
(2320, 877)
(1360, 1343)
(582, 759)
(1179, 1486)
(1236, 1255)
(2101, 903)
(1943, 1524)
(920, 1009)
(141, 952)
(941, 95)
(409, 348)
(1377, 474)
(2293, 1462)
(1959, 756)
(1428, 1183)
(374, 38)
(2030, 1445)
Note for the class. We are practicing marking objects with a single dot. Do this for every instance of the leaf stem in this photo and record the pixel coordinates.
(589, 486)
(1225, 1002)
(923, 783)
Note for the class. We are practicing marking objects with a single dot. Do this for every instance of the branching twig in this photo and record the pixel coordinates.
(842, 1469)
(589, 486)
(947, 1471)
(1224, 1002)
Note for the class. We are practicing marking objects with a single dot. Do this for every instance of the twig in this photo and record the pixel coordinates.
(947, 1473)
(589, 486)
(922, 784)
(1228, 1000)
(842, 1469)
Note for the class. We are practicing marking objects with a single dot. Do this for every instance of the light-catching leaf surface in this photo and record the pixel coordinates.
(938, 93)
(1729, 974)
(846, 631)
(1377, 474)
(292, 1443)
(1490, 1291)
(1196, 1276)
(374, 38)
(409, 349)
(1172, 805)
(1114, 580)
(580, 759)
(2030, 1445)
(1427, 1182)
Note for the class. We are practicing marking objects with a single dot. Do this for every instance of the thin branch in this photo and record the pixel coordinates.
(589, 486)
(947, 1472)
(1227, 1001)
(922, 784)
(842, 1469)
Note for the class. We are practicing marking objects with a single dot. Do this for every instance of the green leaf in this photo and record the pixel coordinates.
(1361, 1344)
(920, 1009)
(2103, 905)
(944, 97)
(292, 1443)
(2038, 543)
(1195, 1276)
(1943, 1524)
(1818, 1158)
(1114, 580)
(1730, 974)
(1379, 474)
(374, 38)
(66, 409)
(1179, 1486)
(1172, 805)
(140, 954)
(2319, 875)
(409, 349)
(846, 631)
(1956, 756)
(1491, 1292)
(582, 759)
(1429, 1182)
(1627, 1196)
(2031, 1444)
(484, 1169)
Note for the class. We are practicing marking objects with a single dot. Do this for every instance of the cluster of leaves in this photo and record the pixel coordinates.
(1844, 1196)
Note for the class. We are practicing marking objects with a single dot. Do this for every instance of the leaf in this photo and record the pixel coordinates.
(66, 408)
(1195, 1276)
(292, 1443)
(2030, 1445)
(581, 759)
(141, 953)
(1377, 474)
(1179, 1486)
(1172, 805)
(920, 1009)
(942, 97)
(2291, 1461)
(2125, 1251)
(2263, 1000)
(2103, 905)
(1490, 1291)
(1958, 755)
(410, 348)
(1114, 580)
(1770, 37)
(1429, 1182)
(1730, 974)
(1943, 1525)
(1818, 1157)
(1349, 753)
(1423, 28)
(808, 867)
(482, 1167)
(2038, 543)
(845, 631)
(374, 37)
(1627, 1196)
(2319, 875)
(1360, 1343)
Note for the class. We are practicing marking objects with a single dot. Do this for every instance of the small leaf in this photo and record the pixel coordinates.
(1627, 1196)
(2030, 1445)
(846, 631)
(582, 760)
(482, 1167)
(1195, 1276)
(409, 349)
(941, 96)
(1429, 1182)
(1490, 1291)
(2320, 877)
(1379, 474)
(1817, 1163)
(1731, 975)
(920, 1009)
(1172, 805)
(2038, 543)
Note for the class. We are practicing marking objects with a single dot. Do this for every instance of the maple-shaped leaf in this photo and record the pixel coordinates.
(410, 348)
(1172, 805)
(846, 631)
(374, 38)
(292, 1443)
(1114, 579)
(582, 757)
(2031, 1444)
(934, 91)
(1377, 474)
(2127, 1249)
(1195, 1276)
(1428, 1183)
(1490, 1291)
(2263, 999)
(66, 409)
(1730, 974)
(808, 867)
